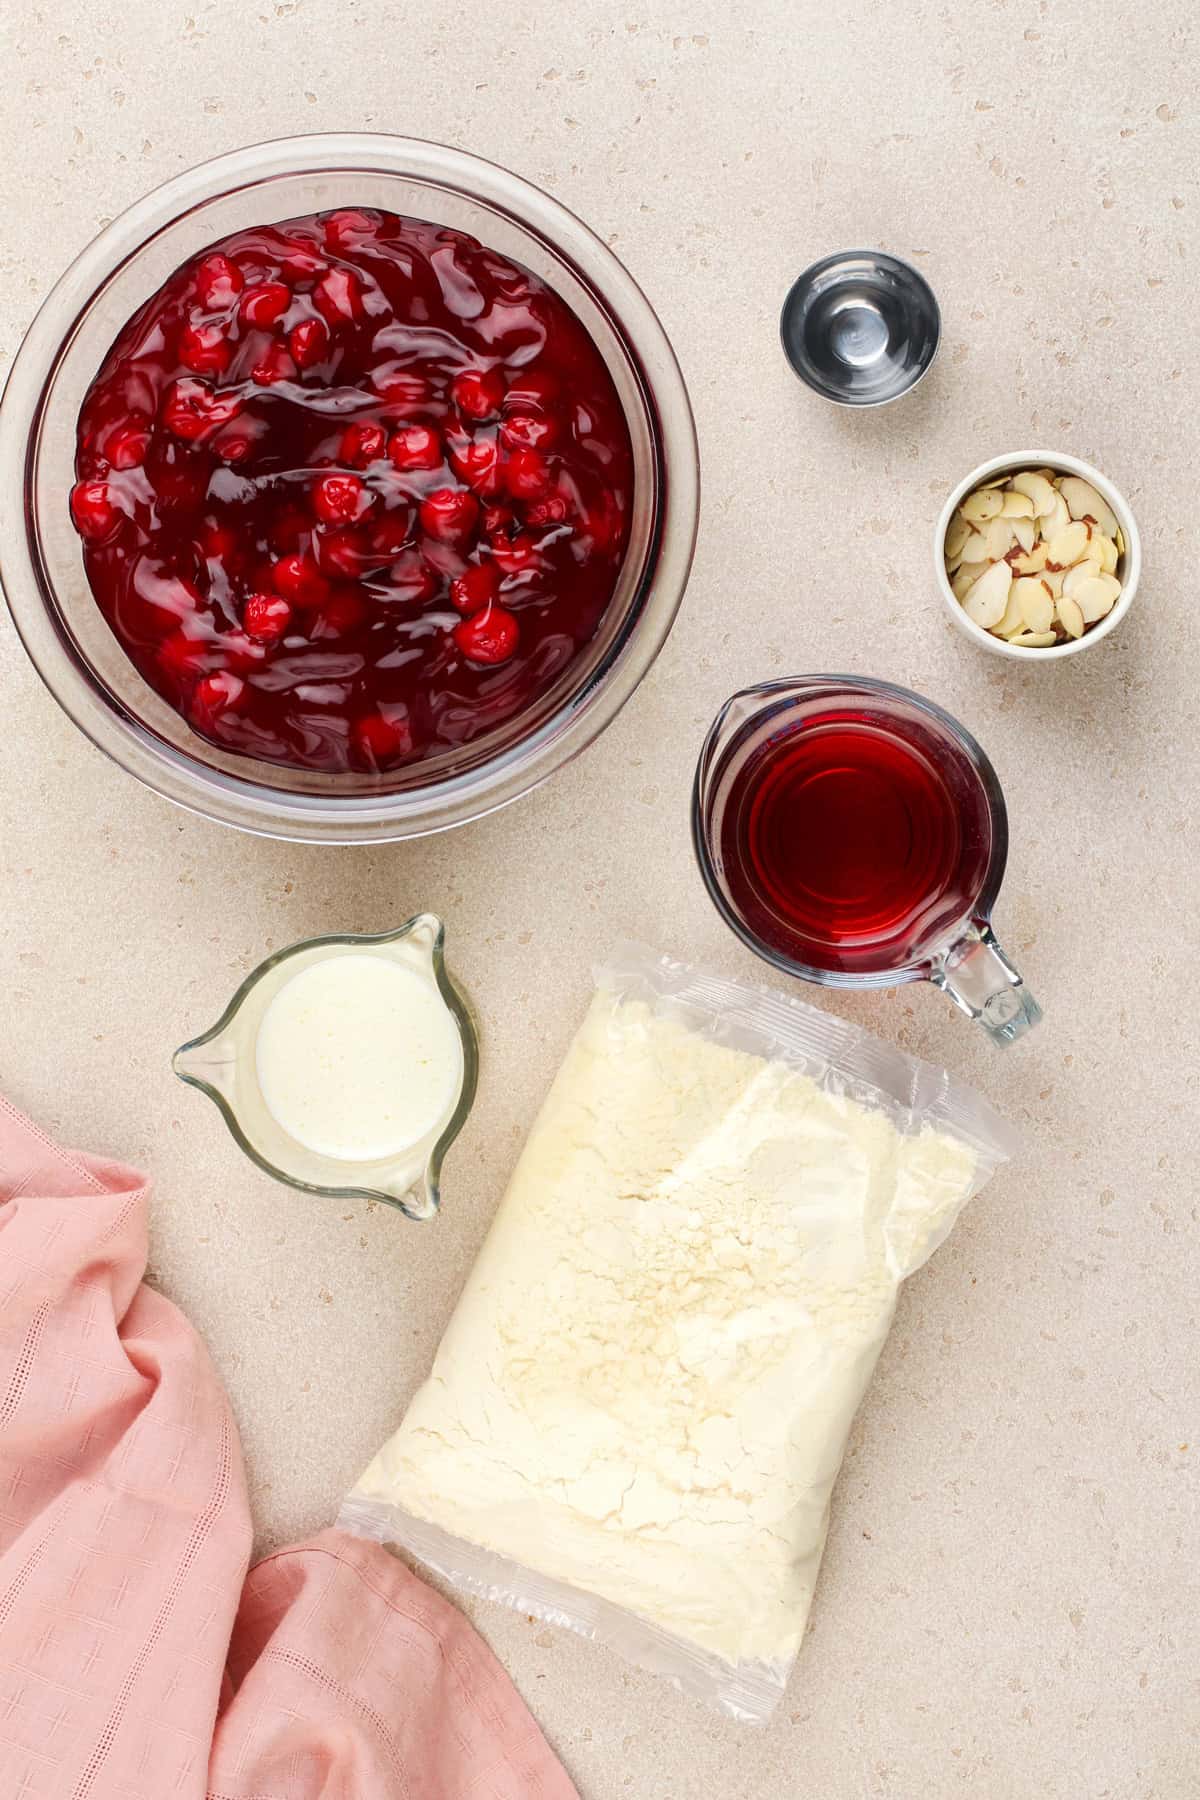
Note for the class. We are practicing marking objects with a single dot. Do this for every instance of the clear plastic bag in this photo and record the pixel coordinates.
(639, 1408)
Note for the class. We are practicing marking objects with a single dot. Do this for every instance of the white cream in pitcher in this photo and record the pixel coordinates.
(359, 1057)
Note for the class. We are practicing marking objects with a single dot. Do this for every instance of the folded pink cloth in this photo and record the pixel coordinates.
(133, 1661)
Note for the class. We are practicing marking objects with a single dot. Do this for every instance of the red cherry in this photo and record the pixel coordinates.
(338, 296)
(478, 393)
(449, 513)
(528, 431)
(218, 281)
(497, 520)
(266, 617)
(183, 654)
(205, 349)
(126, 443)
(265, 304)
(235, 442)
(345, 229)
(344, 611)
(399, 386)
(178, 475)
(243, 651)
(412, 580)
(309, 342)
(532, 390)
(475, 588)
(218, 693)
(287, 526)
(514, 555)
(601, 524)
(192, 411)
(301, 261)
(527, 475)
(487, 637)
(415, 447)
(343, 551)
(382, 738)
(392, 533)
(218, 543)
(446, 560)
(478, 464)
(361, 444)
(96, 517)
(551, 511)
(341, 499)
(298, 579)
(272, 366)
(164, 601)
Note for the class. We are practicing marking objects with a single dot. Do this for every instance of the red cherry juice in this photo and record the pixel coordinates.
(353, 490)
(848, 847)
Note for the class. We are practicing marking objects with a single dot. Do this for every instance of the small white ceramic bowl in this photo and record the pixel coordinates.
(1129, 567)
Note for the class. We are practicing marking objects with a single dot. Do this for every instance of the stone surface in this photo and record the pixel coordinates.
(1008, 1605)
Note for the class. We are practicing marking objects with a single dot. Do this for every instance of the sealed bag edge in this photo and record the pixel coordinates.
(838, 1054)
(747, 1692)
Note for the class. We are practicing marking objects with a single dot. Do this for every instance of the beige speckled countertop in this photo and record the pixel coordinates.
(1008, 1604)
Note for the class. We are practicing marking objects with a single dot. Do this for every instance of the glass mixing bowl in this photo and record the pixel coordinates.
(41, 566)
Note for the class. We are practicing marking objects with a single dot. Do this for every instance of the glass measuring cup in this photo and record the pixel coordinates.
(855, 835)
(222, 1063)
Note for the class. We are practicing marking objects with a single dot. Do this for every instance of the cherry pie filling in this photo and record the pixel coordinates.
(353, 490)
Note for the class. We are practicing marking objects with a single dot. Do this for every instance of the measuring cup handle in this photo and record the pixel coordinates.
(979, 978)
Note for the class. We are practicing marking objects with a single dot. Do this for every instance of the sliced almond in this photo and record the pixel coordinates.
(963, 580)
(1083, 502)
(1025, 532)
(1035, 601)
(1034, 640)
(1000, 539)
(1056, 520)
(1097, 597)
(957, 533)
(1119, 539)
(1082, 571)
(1031, 562)
(1038, 489)
(1017, 506)
(1068, 546)
(985, 602)
(1013, 620)
(1070, 617)
(1053, 579)
(982, 505)
(1108, 553)
(975, 548)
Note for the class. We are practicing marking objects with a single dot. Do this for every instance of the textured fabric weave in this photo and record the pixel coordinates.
(134, 1663)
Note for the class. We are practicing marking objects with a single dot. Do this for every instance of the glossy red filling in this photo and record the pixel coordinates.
(353, 490)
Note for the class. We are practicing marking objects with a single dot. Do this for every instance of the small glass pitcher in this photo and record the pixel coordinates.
(942, 933)
(221, 1063)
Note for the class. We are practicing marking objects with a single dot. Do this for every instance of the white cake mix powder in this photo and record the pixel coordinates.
(646, 1388)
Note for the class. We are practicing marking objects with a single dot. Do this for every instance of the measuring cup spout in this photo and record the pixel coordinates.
(207, 1063)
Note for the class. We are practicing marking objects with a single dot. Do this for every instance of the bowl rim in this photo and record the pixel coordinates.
(254, 805)
(1065, 464)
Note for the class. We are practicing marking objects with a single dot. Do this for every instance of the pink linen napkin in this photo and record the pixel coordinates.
(133, 1662)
